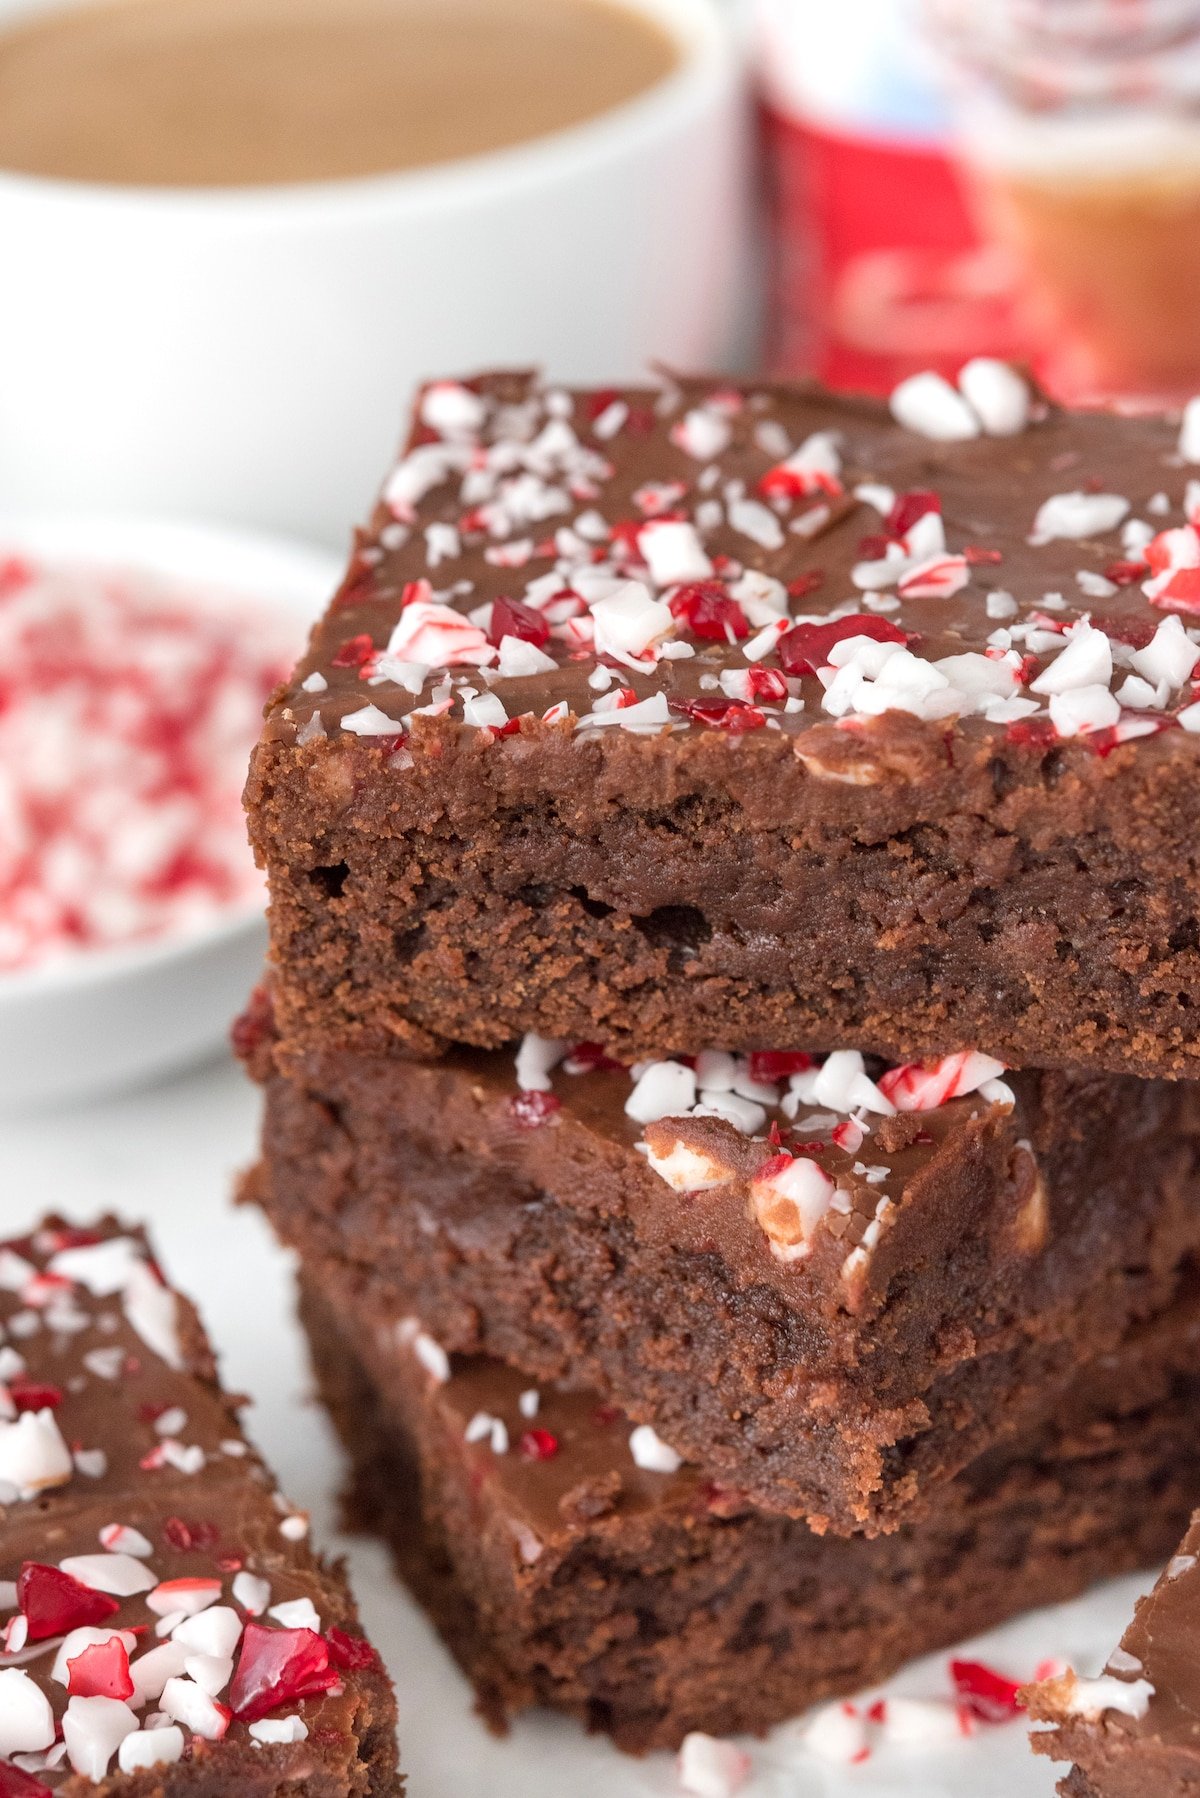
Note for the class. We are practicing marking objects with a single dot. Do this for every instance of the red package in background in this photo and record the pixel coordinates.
(878, 267)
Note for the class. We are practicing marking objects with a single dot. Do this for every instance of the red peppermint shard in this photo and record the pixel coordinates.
(532, 1110)
(352, 1654)
(909, 507)
(34, 1395)
(278, 1666)
(354, 652)
(101, 1671)
(538, 1445)
(988, 1695)
(770, 1065)
(707, 611)
(733, 715)
(15, 1784)
(52, 1603)
(806, 647)
(512, 619)
(185, 1535)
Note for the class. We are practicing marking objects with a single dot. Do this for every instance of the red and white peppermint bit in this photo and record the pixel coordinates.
(128, 707)
(923, 1086)
(440, 637)
(940, 577)
(709, 1767)
(836, 1733)
(790, 1195)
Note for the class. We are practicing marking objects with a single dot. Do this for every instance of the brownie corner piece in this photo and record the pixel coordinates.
(1136, 1727)
(164, 1624)
(643, 716)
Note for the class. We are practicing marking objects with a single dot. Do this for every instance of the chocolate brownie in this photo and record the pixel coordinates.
(759, 717)
(1135, 1731)
(814, 1291)
(570, 1562)
(166, 1630)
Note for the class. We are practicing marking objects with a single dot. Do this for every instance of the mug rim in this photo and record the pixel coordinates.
(711, 61)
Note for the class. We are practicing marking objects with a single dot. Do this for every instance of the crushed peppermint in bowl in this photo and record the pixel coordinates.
(135, 659)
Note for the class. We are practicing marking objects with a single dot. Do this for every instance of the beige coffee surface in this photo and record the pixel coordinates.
(182, 93)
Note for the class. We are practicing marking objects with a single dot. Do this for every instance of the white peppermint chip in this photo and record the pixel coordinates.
(518, 659)
(835, 1732)
(647, 717)
(756, 521)
(536, 1058)
(1092, 1697)
(485, 711)
(997, 395)
(369, 721)
(1189, 431)
(918, 1722)
(150, 1748)
(1170, 655)
(279, 1729)
(251, 1592)
(210, 1674)
(120, 1574)
(1082, 710)
(152, 1309)
(1189, 718)
(665, 1089)
(297, 1613)
(688, 1170)
(928, 405)
(744, 1114)
(673, 552)
(26, 1719)
(432, 1356)
(93, 1729)
(151, 1671)
(33, 1455)
(842, 1083)
(121, 1538)
(710, 1767)
(790, 1204)
(1085, 662)
(1073, 516)
(188, 1704)
(214, 1632)
(104, 1268)
(630, 620)
(529, 1402)
(651, 1453)
(452, 410)
(15, 1271)
(702, 433)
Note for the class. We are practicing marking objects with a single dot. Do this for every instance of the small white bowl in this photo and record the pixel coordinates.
(105, 1019)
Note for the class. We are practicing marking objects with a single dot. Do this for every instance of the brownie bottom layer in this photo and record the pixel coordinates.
(633, 1600)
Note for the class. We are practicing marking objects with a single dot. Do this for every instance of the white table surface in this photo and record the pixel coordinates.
(168, 1156)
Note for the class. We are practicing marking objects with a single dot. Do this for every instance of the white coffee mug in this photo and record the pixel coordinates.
(247, 354)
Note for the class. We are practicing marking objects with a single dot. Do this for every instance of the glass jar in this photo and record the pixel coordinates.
(1080, 123)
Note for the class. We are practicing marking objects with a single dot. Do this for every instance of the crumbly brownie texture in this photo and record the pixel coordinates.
(164, 1627)
(757, 717)
(570, 1562)
(1135, 1731)
(840, 1307)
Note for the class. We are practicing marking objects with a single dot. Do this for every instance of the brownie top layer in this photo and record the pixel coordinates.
(1149, 1692)
(783, 1158)
(159, 1605)
(559, 1462)
(768, 560)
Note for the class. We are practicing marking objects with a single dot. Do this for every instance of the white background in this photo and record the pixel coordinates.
(169, 1157)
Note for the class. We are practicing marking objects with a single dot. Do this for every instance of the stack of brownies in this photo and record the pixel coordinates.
(729, 1038)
